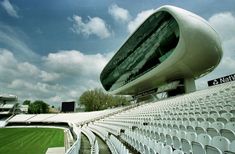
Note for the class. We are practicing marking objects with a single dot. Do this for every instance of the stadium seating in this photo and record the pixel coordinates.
(2, 122)
(92, 139)
(6, 108)
(22, 117)
(202, 122)
(78, 118)
(113, 143)
(199, 122)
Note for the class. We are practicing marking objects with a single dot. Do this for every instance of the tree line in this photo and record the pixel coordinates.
(96, 99)
(37, 106)
(93, 100)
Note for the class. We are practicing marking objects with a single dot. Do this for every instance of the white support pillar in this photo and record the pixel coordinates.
(189, 85)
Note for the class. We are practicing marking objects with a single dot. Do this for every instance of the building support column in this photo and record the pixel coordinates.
(189, 85)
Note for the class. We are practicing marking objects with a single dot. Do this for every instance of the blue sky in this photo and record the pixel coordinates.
(54, 50)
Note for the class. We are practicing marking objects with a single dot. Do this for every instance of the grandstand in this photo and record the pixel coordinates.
(188, 122)
(7, 103)
(78, 118)
(7, 107)
(199, 122)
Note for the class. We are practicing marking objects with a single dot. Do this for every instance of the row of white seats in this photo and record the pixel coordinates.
(112, 129)
(121, 149)
(114, 146)
(214, 129)
(149, 146)
(78, 118)
(183, 100)
(92, 139)
(191, 143)
(180, 122)
(179, 138)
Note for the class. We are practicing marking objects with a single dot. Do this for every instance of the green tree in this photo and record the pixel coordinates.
(96, 99)
(38, 107)
(17, 105)
(26, 102)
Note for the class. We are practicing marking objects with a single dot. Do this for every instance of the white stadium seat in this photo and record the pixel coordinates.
(220, 142)
(230, 126)
(198, 148)
(212, 150)
(229, 134)
(232, 146)
(166, 150)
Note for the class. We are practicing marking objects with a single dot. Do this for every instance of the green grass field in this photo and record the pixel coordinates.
(29, 140)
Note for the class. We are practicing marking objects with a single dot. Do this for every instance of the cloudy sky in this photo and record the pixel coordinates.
(54, 50)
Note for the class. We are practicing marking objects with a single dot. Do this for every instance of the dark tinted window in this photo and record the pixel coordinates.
(150, 45)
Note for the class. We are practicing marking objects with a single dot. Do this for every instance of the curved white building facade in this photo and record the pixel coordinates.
(171, 45)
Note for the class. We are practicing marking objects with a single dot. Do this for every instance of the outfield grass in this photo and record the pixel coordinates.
(29, 140)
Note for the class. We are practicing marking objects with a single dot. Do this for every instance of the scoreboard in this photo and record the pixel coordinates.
(68, 106)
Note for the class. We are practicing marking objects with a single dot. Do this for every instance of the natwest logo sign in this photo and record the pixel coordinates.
(221, 80)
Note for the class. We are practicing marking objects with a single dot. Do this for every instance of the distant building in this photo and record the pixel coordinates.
(54, 110)
(7, 104)
(24, 108)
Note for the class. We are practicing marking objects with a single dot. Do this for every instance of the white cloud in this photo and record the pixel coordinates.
(224, 24)
(6, 58)
(47, 77)
(75, 62)
(11, 67)
(10, 37)
(118, 13)
(27, 68)
(132, 25)
(55, 100)
(94, 26)
(25, 79)
(9, 8)
(59, 76)
(78, 71)
(229, 64)
(64, 75)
